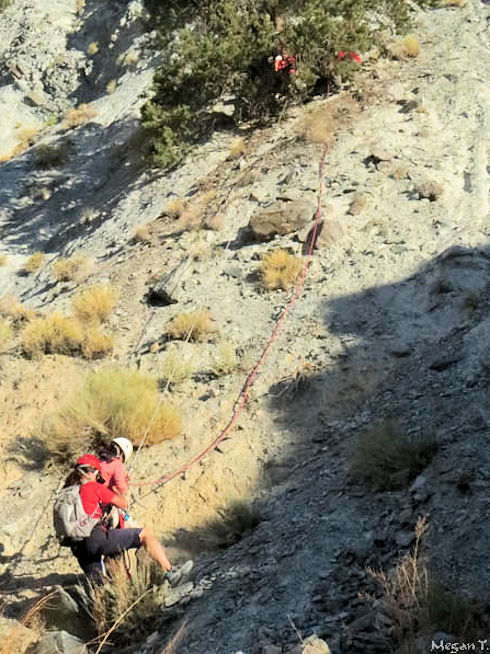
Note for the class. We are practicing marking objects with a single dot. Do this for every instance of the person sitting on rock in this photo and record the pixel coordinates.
(97, 500)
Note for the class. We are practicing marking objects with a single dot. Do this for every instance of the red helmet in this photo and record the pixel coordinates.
(91, 461)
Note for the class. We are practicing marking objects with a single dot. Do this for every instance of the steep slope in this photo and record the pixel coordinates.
(391, 321)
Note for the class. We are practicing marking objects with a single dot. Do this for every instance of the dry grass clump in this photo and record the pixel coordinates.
(33, 263)
(76, 268)
(193, 326)
(52, 156)
(54, 334)
(3, 260)
(131, 603)
(226, 360)
(237, 149)
(142, 234)
(176, 368)
(279, 269)
(6, 334)
(26, 135)
(79, 115)
(59, 334)
(112, 401)
(407, 47)
(175, 207)
(231, 524)
(384, 458)
(418, 605)
(11, 307)
(111, 86)
(80, 6)
(95, 304)
(93, 48)
(21, 637)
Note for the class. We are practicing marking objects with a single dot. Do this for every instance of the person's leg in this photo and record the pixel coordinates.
(154, 548)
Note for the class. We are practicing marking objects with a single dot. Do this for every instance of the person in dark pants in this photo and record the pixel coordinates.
(97, 500)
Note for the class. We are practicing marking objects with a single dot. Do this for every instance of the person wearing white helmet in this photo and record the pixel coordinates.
(113, 457)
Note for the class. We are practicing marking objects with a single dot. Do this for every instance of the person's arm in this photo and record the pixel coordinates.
(106, 496)
(120, 483)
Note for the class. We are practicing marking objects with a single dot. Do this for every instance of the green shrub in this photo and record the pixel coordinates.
(52, 156)
(384, 458)
(228, 46)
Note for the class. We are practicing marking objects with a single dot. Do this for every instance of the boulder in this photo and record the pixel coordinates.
(169, 289)
(281, 218)
(59, 642)
(329, 233)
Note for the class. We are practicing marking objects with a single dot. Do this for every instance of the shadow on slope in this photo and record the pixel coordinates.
(417, 349)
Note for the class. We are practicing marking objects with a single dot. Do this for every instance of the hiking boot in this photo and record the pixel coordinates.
(175, 577)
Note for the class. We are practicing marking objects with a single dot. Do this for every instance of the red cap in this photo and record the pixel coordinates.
(89, 460)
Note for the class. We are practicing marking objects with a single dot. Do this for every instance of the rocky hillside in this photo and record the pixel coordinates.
(392, 323)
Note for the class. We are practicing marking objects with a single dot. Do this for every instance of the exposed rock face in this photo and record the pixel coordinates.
(281, 218)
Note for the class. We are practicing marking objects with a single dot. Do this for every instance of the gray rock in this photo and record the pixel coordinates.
(170, 288)
(174, 595)
(329, 233)
(60, 642)
(281, 218)
(404, 538)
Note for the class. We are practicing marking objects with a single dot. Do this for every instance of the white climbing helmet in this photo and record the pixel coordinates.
(125, 446)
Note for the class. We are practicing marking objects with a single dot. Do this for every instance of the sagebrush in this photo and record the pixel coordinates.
(111, 402)
(280, 269)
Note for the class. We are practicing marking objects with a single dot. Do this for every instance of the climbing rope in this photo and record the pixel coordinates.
(243, 395)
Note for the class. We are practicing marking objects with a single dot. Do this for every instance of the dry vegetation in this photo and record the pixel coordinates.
(384, 458)
(193, 214)
(176, 368)
(59, 334)
(142, 234)
(93, 48)
(193, 326)
(6, 334)
(52, 156)
(132, 605)
(11, 307)
(407, 47)
(95, 304)
(279, 269)
(21, 637)
(175, 207)
(33, 263)
(111, 86)
(231, 524)
(226, 360)
(111, 401)
(77, 116)
(237, 149)
(418, 605)
(3, 259)
(76, 268)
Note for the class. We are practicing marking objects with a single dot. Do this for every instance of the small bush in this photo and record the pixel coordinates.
(76, 268)
(112, 401)
(226, 360)
(93, 48)
(95, 304)
(175, 367)
(142, 234)
(5, 334)
(80, 6)
(418, 604)
(279, 269)
(237, 149)
(10, 307)
(409, 46)
(231, 524)
(175, 207)
(33, 263)
(193, 326)
(144, 593)
(52, 156)
(96, 344)
(26, 135)
(79, 115)
(54, 334)
(111, 86)
(3, 260)
(59, 334)
(385, 459)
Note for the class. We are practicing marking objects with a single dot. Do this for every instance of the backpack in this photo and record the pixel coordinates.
(70, 520)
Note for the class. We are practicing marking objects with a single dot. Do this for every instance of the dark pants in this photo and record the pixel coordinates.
(103, 542)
